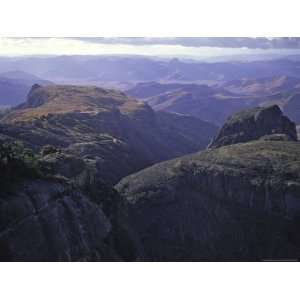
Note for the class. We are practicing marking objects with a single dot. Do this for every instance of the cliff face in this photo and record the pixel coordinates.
(55, 208)
(253, 124)
(48, 220)
(238, 202)
(235, 202)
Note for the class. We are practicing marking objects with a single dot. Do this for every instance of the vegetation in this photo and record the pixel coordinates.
(16, 162)
(277, 163)
(59, 99)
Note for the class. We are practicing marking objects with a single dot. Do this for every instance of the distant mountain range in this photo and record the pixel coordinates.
(212, 104)
(262, 86)
(245, 79)
(15, 85)
(139, 68)
(215, 103)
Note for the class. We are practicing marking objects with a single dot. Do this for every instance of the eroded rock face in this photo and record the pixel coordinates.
(252, 124)
(238, 202)
(49, 221)
(56, 208)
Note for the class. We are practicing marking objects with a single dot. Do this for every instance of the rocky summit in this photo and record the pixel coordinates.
(253, 124)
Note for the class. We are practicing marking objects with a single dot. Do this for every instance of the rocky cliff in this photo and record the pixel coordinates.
(238, 202)
(55, 208)
(234, 202)
(230, 202)
(56, 198)
(253, 124)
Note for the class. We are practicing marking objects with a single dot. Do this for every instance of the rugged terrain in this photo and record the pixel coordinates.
(236, 202)
(210, 103)
(54, 207)
(253, 124)
(262, 86)
(120, 134)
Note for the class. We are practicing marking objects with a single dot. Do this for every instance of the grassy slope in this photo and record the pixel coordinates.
(258, 160)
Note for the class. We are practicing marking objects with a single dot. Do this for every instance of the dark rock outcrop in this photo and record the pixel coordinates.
(276, 137)
(237, 202)
(252, 124)
(56, 208)
(47, 220)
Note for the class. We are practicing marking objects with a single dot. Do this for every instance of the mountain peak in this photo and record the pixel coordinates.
(253, 124)
(59, 99)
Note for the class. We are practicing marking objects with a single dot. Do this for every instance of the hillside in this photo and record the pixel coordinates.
(146, 90)
(239, 202)
(62, 213)
(236, 202)
(211, 104)
(118, 134)
(262, 86)
(56, 198)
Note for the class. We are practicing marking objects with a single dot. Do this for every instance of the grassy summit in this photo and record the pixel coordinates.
(255, 161)
(60, 99)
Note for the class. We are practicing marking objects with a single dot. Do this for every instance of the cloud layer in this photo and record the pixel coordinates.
(223, 42)
(171, 47)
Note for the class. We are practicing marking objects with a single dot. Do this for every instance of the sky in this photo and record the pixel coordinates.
(175, 47)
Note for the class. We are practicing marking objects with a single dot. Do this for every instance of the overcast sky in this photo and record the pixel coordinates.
(194, 47)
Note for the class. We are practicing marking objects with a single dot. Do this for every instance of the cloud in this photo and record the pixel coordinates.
(100, 46)
(222, 42)
(170, 47)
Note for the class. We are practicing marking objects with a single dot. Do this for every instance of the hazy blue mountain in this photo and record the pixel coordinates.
(15, 85)
(139, 68)
(212, 104)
